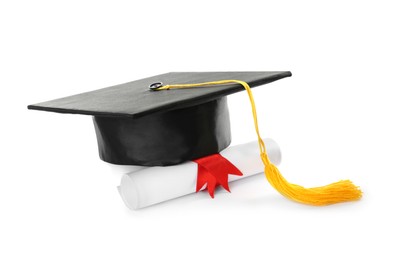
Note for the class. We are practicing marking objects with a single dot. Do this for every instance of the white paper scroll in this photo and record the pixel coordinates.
(153, 185)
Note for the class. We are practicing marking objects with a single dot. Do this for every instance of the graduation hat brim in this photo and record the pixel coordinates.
(135, 99)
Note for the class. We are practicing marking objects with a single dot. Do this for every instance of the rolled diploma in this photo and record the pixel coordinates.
(153, 185)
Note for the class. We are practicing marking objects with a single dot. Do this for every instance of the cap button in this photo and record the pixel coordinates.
(155, 86)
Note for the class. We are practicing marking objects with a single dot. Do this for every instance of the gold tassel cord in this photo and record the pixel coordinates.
(336, 192)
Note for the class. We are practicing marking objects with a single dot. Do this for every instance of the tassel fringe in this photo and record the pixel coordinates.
(341, 191)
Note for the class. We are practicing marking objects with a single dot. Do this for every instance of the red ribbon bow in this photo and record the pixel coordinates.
(213, 170)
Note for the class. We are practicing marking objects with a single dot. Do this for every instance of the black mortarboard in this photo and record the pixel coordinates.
(138, 126)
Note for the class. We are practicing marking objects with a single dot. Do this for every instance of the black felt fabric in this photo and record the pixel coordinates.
(135, 99)
(165, 138)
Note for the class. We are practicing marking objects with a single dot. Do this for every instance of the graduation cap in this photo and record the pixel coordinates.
(136, 125)
(139, 123)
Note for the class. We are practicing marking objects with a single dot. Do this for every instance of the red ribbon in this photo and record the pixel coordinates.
(213, 170)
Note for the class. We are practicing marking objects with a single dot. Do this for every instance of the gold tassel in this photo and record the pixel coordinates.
(336, 192)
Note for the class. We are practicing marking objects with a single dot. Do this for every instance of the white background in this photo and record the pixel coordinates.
(332, 120)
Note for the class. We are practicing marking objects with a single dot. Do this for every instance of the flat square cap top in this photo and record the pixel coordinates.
(135, 99)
